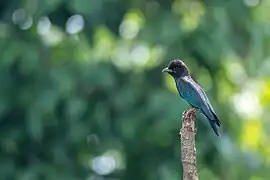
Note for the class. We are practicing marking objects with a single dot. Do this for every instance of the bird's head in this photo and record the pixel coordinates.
(176, 69)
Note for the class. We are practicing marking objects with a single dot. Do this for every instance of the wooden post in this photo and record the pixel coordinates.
(188, 148)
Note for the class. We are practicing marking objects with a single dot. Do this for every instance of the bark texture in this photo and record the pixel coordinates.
(188, 149)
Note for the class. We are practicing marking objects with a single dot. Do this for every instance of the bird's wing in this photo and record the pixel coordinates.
(211, 107)
(196, 96)
(189, 90)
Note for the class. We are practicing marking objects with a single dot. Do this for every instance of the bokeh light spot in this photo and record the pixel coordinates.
(140, 54)
(103, 165)
(44, 25)
(75, 24)
(252, 134)
(20, 18)
(131, 25)
(247, 104)
(251, 3)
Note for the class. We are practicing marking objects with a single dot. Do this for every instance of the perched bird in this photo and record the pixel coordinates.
(192, 93)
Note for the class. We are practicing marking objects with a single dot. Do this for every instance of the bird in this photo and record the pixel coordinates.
(192, 92)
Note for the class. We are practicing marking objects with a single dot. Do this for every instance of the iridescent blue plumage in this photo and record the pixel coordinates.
(192, 93)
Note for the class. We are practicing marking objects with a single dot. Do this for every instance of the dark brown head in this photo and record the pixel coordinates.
(176, 69)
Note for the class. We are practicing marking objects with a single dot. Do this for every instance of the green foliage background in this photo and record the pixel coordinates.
(82, 95)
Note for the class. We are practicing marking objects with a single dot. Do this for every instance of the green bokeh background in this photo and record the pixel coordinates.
(82, 95)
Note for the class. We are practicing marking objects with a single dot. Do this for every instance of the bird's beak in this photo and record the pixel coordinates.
(167, 70)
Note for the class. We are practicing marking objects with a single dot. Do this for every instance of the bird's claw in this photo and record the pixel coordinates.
(193, 110)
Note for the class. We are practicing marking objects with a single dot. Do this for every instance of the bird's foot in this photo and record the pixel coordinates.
(193, 110)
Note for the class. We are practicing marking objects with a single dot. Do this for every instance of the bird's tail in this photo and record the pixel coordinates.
(214, 126)
(214, 123)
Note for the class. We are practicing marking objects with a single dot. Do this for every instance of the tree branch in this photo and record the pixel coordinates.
(188, 149)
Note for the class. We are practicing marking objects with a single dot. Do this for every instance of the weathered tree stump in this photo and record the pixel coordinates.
(188, 148)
